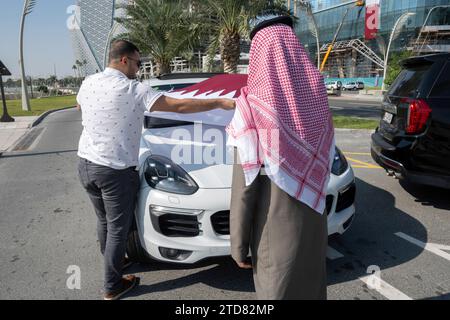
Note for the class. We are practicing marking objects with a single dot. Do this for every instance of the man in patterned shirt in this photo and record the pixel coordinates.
(113, 103)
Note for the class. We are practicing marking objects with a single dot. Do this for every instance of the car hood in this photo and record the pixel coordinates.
(199, 149)
(188, 140)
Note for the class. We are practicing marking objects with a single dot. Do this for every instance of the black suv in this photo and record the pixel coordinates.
(413, 138)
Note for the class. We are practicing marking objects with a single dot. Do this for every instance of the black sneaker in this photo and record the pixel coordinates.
(129, 282)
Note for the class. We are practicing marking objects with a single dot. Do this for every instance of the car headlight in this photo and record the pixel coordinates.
(163, 174)
(340, 164)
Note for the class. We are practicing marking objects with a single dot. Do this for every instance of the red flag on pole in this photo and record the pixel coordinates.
(372, 19)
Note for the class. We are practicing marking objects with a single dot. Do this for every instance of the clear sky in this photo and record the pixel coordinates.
(47, 42)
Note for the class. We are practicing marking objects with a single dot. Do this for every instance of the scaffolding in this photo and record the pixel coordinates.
(433, 39)
(352, 58)
(434, 36)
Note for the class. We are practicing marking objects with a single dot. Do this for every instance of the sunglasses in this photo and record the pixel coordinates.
(138, 62)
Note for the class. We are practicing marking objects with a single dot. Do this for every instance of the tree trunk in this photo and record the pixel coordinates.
(230, 51)
(163, 67)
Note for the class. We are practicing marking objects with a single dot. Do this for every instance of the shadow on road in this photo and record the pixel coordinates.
(371, 240)
(223, 275)
(428, 195)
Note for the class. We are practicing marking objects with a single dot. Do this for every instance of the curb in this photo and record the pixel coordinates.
(45, 114)
(38, 121)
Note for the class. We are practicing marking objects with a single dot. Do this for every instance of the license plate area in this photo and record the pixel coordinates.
(387, 117)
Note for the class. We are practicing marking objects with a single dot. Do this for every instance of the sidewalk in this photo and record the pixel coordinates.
(11, 132)
(366, 97)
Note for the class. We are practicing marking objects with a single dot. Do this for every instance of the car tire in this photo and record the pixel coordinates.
(135, 252)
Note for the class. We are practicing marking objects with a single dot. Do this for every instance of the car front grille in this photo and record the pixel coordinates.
(177, 225)
(346, 198)
(221, 222)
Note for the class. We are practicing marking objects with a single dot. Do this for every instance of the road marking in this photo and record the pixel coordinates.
(384, 288)
(437, 249)
(333, 254)
(363, 167)
(362, 164)
(357, 153)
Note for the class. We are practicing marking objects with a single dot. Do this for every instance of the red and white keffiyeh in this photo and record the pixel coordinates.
(283, 120)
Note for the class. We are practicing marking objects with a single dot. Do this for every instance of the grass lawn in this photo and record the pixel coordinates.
(372, 88)
(354, 123)
(39, 106)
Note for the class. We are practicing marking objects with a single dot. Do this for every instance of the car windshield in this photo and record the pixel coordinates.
(170, 87)
(155, 122)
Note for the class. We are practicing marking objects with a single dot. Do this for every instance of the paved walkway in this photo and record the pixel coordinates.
(366, 97)
(11, 132)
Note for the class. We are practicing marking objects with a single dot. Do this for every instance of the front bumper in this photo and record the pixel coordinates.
(201, 206)
(200, 221)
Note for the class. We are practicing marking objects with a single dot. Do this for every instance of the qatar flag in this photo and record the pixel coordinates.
(372, 19)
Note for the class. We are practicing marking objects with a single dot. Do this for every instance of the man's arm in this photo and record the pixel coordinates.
(169, 104)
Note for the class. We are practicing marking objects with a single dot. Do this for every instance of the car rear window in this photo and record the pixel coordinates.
(408, 81)
(442, 87)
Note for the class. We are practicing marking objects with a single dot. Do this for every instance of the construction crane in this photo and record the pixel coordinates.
(359, 3)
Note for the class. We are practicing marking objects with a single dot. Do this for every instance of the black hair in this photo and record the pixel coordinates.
(120, 48)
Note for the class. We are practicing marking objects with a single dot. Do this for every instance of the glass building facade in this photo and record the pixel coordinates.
(94, 31)
(328, 15)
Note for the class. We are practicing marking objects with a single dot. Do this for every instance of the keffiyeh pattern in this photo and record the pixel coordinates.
(283, 120)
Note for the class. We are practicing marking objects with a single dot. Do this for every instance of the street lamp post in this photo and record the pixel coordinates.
(394, 34)
(27, 8)
(4, 72)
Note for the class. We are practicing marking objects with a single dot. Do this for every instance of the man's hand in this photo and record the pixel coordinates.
(228, 104)
(244, 265)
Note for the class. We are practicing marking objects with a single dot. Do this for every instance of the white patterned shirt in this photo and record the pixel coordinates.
(113, 109)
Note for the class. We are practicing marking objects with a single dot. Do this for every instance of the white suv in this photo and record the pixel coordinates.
(334, 87)
(354, 85)
(183, 207)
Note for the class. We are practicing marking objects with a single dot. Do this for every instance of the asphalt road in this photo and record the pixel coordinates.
(346, 106)
(47, 224)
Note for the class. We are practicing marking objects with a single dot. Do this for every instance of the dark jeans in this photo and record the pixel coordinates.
(113, 194)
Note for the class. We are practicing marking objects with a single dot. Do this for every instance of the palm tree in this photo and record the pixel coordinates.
(84, 63)
(74, 68)
(162, 29)
(230, 24)
(79, 64)
(51, 80)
